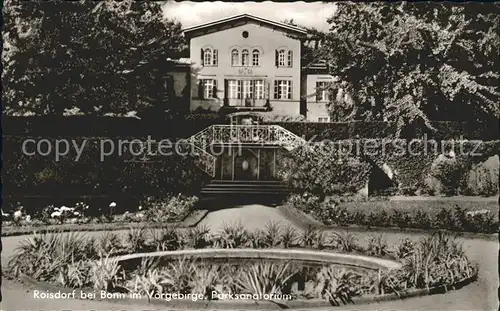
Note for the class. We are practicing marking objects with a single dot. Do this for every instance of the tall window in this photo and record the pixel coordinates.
(321, 91)
(209, 57)
(259, 89)
(235, 58)
(207, 60)
(233, 89)
(209, 88)
(283, 89)
(245, 58)
(215, 57)
(255, 58)
(247, 89)
(242, 89)
(281, 58)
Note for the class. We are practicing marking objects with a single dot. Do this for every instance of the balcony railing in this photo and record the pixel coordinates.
(246, 134)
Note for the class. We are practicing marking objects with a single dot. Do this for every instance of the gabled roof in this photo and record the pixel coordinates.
(242, 17)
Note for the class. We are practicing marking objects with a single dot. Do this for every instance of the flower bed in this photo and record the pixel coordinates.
(74, 261)
(173, 209)
(479, 217)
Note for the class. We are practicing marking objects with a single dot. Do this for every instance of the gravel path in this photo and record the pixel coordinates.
(481, 295)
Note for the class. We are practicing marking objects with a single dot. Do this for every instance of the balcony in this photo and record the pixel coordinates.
(270, 135)
(248, 104)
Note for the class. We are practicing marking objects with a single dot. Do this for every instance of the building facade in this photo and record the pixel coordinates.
(247, 63)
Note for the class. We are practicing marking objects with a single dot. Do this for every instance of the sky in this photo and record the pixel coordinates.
(310, 14)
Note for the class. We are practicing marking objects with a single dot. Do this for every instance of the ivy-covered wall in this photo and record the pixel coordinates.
(414, 166)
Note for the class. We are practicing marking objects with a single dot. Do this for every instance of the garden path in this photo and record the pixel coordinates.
(252, 217)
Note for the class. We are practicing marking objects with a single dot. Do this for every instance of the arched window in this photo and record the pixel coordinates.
(245, 58)
(235, 58)
(255, 58)
(281, 58)
(207, 57)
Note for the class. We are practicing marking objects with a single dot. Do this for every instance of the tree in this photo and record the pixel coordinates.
(60, 55)
(411, 63)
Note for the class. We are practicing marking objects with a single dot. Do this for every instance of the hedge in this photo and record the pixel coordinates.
(315, 170)
(184, 126)
(116, 176)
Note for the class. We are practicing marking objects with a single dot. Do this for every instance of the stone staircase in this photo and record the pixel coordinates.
(241, 190)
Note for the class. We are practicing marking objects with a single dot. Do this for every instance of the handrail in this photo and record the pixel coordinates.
(274, 135)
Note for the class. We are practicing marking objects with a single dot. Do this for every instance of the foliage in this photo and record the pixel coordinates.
(411, 63)
(198, 237)
(265, 278)
(436, 260)
(92, 69)
(406, 214)
(272, 234)
(44, 255)
(337, 285)
(136, 239)
(166, 239)
(344, 241)
(105, 273)
(71, 260)
(325, 169)
(173, 209)
(289, 236)
(377, 246)
(231, 236)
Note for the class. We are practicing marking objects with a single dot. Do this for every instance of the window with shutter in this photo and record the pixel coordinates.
(290, 59)
(202, 57)
(208, 57)
(276, 60)
(214, 91)
(215, 58)
(200, 89)
(289, 90)
(281, 58)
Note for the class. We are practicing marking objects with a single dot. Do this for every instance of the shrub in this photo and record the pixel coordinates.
(136, 240)
(105, 273)
(482, 179)
(42, 256)
(344, 242)
(265, 278)
(289, 236)
(109, 242)
(232, 236)
(199, 237)
(309, 236)
(174, 209)
(323, 170)
(377, 246)
(405, 248)
(445, 175)
(337, 285)
(166, 239)
(272, 234)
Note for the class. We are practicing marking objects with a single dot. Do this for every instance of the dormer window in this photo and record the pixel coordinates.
(209, 57)
(235, 57)
(245, 58)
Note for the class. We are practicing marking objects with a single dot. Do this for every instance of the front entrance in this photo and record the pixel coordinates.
(246, 166)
